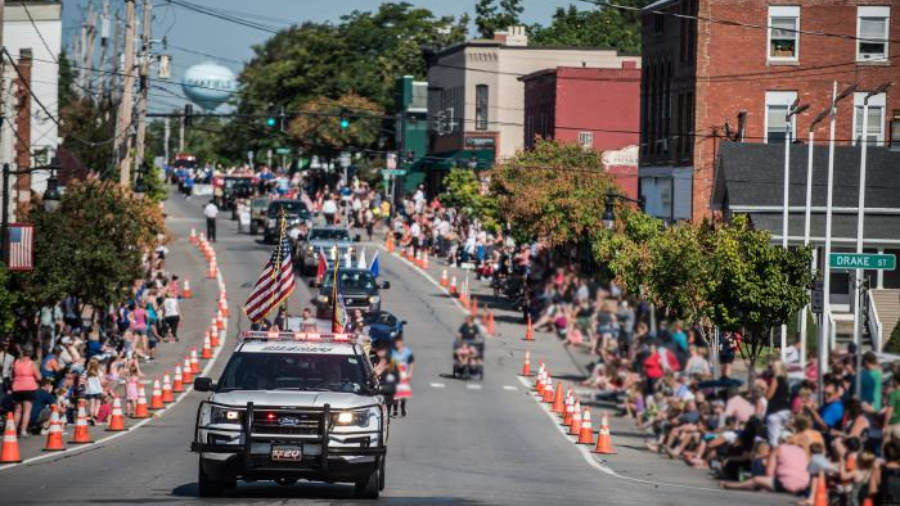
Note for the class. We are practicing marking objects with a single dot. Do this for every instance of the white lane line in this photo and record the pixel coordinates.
(436, 385)
(102, 441)
(473, 386)
(510, 388)
(585, 452)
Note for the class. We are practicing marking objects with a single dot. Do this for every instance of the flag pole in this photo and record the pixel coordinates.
(282, 227)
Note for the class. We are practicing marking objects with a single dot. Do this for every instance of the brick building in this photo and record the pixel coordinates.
(597, 108)
(705, 83)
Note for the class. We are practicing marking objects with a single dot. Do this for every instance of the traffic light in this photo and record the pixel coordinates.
(345, 119)
(271, 122)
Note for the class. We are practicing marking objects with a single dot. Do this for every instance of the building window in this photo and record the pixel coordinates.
(784, 35)
(895, 131)
(872, 30)
(586, 140)
(777, 104)
(481, 107)
(875, 128)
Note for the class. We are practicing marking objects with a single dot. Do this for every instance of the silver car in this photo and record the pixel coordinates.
(332, 241)
(292, 406)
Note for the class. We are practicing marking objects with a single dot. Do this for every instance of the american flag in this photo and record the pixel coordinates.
(21, 247)
(338, 309)
(274, 285)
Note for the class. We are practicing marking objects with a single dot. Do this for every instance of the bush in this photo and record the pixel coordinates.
(893, 344)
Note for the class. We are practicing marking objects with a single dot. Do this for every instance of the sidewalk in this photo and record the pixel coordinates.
(188, 262)
(633, 461)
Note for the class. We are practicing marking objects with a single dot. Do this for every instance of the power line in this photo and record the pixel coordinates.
(205, 55)
(209, 11)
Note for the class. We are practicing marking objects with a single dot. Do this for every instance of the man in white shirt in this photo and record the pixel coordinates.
(172, 314)
(329, 209)
(211, 211)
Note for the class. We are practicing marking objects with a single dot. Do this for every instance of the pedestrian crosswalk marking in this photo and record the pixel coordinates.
(436, 385)
(473, 387)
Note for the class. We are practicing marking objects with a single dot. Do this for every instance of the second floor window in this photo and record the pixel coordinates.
(872, 29)
(481, 107)
(784, 35)
(875, 127)
(777, 104)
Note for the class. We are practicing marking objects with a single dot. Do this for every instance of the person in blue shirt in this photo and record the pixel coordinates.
(40, 407)
(831, 414)
(679, 336)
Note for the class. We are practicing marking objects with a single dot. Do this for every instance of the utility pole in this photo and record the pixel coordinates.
(166, 136)
(104, 44)
(145, 84)
(90, 43)
(125, 105)
(181, 135)
(114, 66)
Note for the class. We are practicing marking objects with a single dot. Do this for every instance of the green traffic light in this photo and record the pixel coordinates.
(270, 122)
(345, 124)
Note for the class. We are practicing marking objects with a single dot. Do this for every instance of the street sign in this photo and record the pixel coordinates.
(283, 151)
(850, 261)
(393, 172)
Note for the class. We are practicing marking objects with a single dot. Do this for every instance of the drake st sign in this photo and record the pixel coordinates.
(850, 261)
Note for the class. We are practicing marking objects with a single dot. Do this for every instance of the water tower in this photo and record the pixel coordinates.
(209, 84)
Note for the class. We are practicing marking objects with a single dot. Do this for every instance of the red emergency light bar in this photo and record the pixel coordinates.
(262, 335)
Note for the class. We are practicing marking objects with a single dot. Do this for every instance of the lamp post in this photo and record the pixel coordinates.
(825, 337)
(793, 110)
(860, 221)
(51, 199)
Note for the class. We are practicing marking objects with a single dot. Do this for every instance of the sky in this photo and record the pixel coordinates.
(220, 38)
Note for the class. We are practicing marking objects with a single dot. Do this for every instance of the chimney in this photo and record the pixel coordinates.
(23, 130)
(514, 36)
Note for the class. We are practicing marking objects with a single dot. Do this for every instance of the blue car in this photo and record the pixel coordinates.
(384, 327)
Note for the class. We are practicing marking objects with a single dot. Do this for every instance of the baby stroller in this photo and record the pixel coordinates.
(473, 364)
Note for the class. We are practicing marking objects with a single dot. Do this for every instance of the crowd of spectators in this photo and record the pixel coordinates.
(68, 352)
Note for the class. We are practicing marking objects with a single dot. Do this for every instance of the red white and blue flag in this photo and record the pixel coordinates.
(275, 284)
(21, 247)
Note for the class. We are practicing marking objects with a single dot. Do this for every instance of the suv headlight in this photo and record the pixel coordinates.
(356, 418)
(374, 299)
(322, 298)
(220, 415)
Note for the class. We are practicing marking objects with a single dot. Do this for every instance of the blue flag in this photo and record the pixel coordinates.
(375, 268)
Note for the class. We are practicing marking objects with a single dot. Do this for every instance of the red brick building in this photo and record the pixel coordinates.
(598, 108)
(704, 83)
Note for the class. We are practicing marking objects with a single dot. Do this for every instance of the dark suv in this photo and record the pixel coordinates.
(295, 211)
(358, 287)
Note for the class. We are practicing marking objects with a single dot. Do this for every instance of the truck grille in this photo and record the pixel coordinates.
(287, 423)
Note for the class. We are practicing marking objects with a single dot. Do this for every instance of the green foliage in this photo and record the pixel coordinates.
(8, 302)
(680, 274)
(606, 28)
(320, 133)
(555, 192)
(66, 81)
(464, 191)
(95, 122)
(625, 254)
(491, 16)
(893, 344)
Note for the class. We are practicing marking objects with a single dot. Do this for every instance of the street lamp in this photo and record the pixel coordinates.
(51, 199)
(609, 213)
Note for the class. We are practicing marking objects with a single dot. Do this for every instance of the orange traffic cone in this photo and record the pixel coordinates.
(575, 427)
(167, 396)
(156, 401)
(444, 278)
(463, 299)
(82, 433)
(193, 238)
(586, 436)
(223, 306)
(211, 273)
(529, 331)
(117, 419)
(558, 400)
(474, 307)
(453, 285)
(538, 381)
(570, 411)
(186, 371)
(604, 441)
(425, 260)
(55, 434)
(213, 334)
(188, 293)
(821, 497)
(195, 363)
(490, 323)
(178, 383)
(140, 410)
(10, 453)
(206, 353)
(526, 367)
(548, 390)
(220, 322)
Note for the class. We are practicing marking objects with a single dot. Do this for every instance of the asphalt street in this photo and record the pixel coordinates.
(476, 442)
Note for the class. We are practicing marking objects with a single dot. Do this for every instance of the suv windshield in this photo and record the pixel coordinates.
(350, 280)
(329, 234)
(292, 371)
(292, 207)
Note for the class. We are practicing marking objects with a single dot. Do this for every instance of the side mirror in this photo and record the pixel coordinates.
(204, 384)
(313, 283)
(386, 285)
(357, 238)
(386, 389)
(403, 322)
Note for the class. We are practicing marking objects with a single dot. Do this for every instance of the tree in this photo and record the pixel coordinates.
(491, 17)
(8, 302)
(81, 120)
(605, 28)
(464, 192)
(759, 286)
(555, 192)
(319, 131)
(625, 254)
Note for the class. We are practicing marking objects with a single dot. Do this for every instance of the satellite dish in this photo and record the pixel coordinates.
(209, 84)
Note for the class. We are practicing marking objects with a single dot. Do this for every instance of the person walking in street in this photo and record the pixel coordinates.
(405, 362)
(172, 314)
(211, 211)
(25, 378)
(329, 209)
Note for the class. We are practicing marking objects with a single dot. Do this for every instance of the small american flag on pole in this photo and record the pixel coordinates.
(275, 283)
(21, 247)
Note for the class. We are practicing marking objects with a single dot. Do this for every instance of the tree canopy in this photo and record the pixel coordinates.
(606, 28)
(493, 16)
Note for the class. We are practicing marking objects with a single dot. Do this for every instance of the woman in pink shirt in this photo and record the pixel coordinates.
(786, 471)
(25, 378)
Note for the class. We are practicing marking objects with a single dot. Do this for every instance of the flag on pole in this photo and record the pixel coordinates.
(275, 284)
(361, 261)
(375, 268)
(323, 265)
(21, 247)
(338, 310)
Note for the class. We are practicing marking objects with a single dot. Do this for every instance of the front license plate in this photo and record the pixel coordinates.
(287, 454)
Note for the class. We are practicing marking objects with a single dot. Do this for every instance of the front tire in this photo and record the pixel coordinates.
(368, 488)
(207, 485)
(382, 479)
